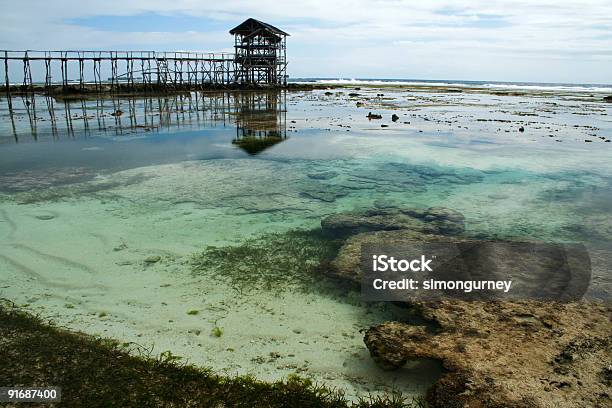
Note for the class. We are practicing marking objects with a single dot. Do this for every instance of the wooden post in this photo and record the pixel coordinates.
(27, 73)
(97, 75)
(81, 73)
(47, 73)
(63, 73)
(114, 79)
(7, 83)
(64, 66)
(142, 72)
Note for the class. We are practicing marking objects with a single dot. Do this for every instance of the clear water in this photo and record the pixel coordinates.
(89, 200)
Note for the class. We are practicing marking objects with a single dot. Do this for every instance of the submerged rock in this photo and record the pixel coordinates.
(435, 220)
(45, 217)
(535, 270)
(326, 196)
(503, 354)
(510, 353)
(152, 259)
(322, 191)
(346, 266)
(385, 203)
(385, 225)
(323, 175)
(34, 182)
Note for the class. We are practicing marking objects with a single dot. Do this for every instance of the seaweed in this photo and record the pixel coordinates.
(99, 372)
(270, 261)
(217, 331)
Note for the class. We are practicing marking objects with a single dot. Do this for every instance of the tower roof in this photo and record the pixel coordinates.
(252, 25)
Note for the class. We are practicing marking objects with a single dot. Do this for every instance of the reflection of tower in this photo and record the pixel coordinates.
(261, 120)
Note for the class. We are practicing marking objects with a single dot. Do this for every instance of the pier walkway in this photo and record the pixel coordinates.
(116, 69)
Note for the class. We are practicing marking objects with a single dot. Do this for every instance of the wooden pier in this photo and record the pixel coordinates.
(115, 70)
(260, 60)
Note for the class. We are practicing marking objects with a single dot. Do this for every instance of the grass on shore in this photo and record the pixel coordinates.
(96, 372)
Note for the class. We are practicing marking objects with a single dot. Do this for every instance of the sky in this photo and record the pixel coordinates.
(519, 40)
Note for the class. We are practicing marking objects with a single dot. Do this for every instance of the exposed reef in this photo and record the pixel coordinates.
(506, 354)
(518, 353)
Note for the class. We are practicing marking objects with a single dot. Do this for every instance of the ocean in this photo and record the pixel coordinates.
(539, 86)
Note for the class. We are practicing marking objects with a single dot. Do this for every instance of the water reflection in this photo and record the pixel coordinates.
(258, 117)
(261, 121)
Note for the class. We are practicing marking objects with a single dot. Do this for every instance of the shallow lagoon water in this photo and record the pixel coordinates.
(102, 216)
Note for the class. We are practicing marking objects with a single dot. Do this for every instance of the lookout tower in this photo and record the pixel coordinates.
(260, 53)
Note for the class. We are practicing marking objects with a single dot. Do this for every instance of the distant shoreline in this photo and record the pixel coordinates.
(90, 91)
(505, 85)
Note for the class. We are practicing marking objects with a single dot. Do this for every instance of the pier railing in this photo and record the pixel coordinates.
(115, 69)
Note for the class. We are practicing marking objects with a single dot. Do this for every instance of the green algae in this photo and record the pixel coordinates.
(37, 191)
(217, 331)
(270, 261)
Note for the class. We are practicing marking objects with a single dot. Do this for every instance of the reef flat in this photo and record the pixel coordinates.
(153, 221)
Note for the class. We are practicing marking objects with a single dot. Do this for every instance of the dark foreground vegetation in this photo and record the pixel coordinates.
(96, 372)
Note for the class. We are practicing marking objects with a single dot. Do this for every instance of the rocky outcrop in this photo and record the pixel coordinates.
(346, 266)
(510, 353)
(506, 354)
(537, 270)
(384, 225)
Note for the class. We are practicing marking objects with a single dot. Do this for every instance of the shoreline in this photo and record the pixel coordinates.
(90, 368)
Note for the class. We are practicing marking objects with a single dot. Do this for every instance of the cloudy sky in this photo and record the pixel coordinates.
(509, 40)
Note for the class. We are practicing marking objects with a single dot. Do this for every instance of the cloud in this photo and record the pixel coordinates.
(522, 40)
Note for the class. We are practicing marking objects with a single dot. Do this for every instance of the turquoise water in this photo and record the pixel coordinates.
(88, 197)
